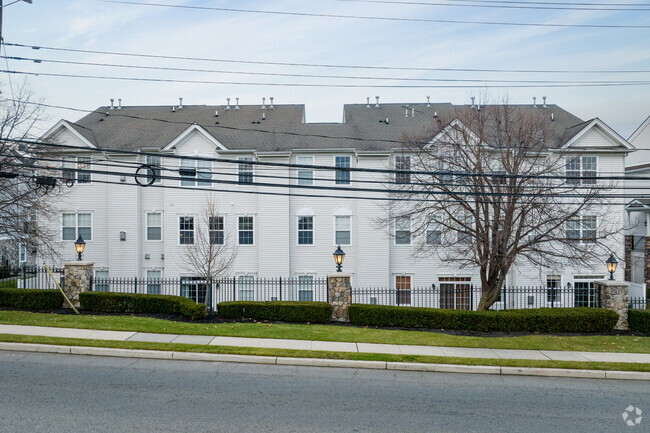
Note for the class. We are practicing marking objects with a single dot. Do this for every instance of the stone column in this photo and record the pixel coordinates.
(629, 246)
(339, 294)
(613, 296)
(77, 277)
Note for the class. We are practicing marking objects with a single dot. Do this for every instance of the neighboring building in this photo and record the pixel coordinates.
(136, 231)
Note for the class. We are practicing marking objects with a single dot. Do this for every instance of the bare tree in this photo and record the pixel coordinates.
(486, 191)
(212, 251)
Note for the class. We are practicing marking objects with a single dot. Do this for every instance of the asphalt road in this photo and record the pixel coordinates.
(71, 393)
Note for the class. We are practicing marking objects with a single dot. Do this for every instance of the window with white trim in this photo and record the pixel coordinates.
(153, 282)
(403, 162)
(22, 253)
(153, 173)
(305, 175)
(246, 287)
(433, 233)
(101, 283)
(342, 174)
(305, 230)
(154, 226)
(195, 172)
(581, 229)
(186, 230)
(245, 169)
(246, 230)
(305, 287)
(553, 287)
(463, 235)
(76, 225)
(580, 169)
(75, 168)
(216, 230)
(342, 230)
(402, 230)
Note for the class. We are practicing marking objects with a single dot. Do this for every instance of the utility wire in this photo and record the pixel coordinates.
(515, 5)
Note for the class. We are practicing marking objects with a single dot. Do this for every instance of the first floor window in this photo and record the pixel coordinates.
(246, 285)
(403, 289)
(153, 282)
(102, 284)
(186, 230)
(305, 287)
(77, 225)
(553, 285)
(22, 253)
(403, 230)
(342, 228)
(455, 293)
(306, 230)
(246, 230)
(216, 230)
(154, 226)
(194, 288)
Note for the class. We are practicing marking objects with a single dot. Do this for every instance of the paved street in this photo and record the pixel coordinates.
(64, 393)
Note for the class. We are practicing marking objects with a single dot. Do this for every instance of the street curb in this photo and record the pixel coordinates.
(319, 362)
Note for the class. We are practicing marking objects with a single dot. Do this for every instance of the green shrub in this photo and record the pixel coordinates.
(106, 302)
(639, 320)
(284, 311)
(31, 299)
(8, 284)
(548, 320)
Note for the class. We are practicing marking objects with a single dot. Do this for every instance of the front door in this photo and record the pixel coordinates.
(585, 293)
(455, 293)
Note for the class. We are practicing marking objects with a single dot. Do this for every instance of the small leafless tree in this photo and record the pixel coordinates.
(213, 250)
(486, 191)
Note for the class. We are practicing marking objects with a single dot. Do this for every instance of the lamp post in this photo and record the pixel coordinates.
(338, 258)
(79, 246)
(611, 265)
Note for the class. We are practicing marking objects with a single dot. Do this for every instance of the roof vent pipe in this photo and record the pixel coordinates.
(119, 104)
(386, 121)
(412, 112)
(428, 102)
(406, 112)
(552, 117)
(544, 99)
(473, 98)
(534, 102)
(367, 101)
(435, 114)
(228, 104)
(216, 113)
(377, 104)
(237, 104)
(271, 106)
(263, 116)
(173, 109)
(263, 103)
(112, 106)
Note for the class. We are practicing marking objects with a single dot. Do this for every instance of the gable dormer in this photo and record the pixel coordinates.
(67, 134)
(597, 136)
(194, 140)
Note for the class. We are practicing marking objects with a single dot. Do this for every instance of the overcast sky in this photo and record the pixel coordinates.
(250, 36)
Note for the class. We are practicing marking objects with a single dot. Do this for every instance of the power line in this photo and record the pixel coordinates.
(514, 5)
(377, 18)
(322, 65)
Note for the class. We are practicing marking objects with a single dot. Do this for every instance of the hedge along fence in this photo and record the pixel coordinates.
(639, 320)
(580, 320)
(284, 311)
(31, 299)
(106, 302)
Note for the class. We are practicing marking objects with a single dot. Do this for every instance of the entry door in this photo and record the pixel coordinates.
(194, 288)
(585, 294)
(455, 293)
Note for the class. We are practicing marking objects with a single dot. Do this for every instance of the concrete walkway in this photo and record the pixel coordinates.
(330, 346)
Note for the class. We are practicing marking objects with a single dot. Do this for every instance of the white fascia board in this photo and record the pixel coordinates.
(455, 124)
(639, 130)
(609, 132)
(186, 135)
(65, 124)
(636, 205)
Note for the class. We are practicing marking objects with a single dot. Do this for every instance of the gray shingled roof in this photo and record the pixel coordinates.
(365, 129)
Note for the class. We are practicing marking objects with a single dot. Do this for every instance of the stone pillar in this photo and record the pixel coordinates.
(629, 246)
(339, 294)
(613, 296)
(77, 277)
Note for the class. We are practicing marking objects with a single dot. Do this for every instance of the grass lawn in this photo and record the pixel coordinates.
(592, 343)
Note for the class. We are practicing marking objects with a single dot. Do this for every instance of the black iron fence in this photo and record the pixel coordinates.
(467, 297)
(30, 277)
(241, 288)
(639, 303)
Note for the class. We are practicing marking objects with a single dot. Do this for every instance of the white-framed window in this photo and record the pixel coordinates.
(153, 282)
(22, 253)
(581, 168)
(342, 230)
(305, 175)
(246, 287)
(585, 292)
(75, 168)
(154, 172)
(76, 225)
(195, 172)
(154, 226)
(246, 228)
(403, 230)
(553, 289)
(305, 230)
(433, 234)
(456, 293)
(305, 287)
(582, 229)
(403, 162)
(245, 169)
(194, 288)
(342, 174)
(463, 234)
(186, 230)
(216, 230)
(102, 282)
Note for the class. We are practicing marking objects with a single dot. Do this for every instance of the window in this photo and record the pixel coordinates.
(194, 288)
(580, 168)
(154, 226)
(83, 163)
(403, 230)
(585, 293)
(153, 282)
(22, 253)
(581, 229)
(403, 163)
(75, 168)
(68, 168)
(455, 293)
(154, 171)
(245, 169)
(306, 230)
(342, 229)
(102, 283)
(342, 175)
(195, 172)
(246, 285)
(403, 289)
(305, 287)
(76, 225)
(433, 233)
(186, 230)
(305, 175)
(216, 230)
(463, 234)
(553, 286)
(246, 230)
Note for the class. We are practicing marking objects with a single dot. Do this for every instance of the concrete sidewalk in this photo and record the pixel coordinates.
(329, 346)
